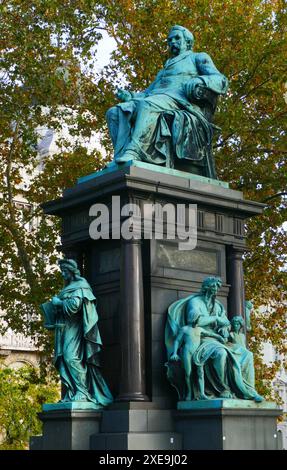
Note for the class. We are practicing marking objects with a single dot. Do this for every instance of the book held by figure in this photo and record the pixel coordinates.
(50, 312)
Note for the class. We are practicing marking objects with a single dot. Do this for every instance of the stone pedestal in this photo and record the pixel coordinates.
(198, 425)
(135, 281)
(136, 426)
(66, 428)
(228, 425)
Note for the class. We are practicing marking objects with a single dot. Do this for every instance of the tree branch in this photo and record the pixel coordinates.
(11, 224)
(254, 88)
(269, 198)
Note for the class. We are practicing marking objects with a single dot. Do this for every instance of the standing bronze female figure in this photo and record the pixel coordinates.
(77, 339)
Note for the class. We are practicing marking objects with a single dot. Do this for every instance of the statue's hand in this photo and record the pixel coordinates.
(222, 340)
(124, 95)
(56, 301)
(174, 357)
(222, 321)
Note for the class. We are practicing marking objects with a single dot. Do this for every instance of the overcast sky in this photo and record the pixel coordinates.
(104, 50)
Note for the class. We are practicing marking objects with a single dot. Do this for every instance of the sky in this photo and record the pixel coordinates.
(104, 50)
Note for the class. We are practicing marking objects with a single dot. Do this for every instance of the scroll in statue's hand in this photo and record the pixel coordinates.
(198, 91)
(194, 89)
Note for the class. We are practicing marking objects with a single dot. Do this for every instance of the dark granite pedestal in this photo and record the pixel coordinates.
(67, 426)
(136, 426)
(124, 426)
(135, 281)
(228, 425)
(199, 425)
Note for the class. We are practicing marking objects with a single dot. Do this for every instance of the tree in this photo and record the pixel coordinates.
(247, 41)
(42, 86)
(22, 393)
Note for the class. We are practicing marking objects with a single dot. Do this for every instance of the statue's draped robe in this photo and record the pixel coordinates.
(239, 370)
(78, 343)
(165, 120)
(238, 347)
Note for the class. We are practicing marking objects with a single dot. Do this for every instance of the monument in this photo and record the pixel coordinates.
(174, 357)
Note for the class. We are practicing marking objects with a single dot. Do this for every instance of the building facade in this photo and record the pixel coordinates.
(280, 385)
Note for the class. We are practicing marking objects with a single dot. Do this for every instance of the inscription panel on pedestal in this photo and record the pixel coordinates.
(200, 260)
(108, 261)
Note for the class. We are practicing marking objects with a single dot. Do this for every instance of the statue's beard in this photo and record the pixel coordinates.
(175, 50)
(68, 281)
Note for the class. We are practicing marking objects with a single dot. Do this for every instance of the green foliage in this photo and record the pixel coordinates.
(22, 393)
(42, 87)
(47, 60)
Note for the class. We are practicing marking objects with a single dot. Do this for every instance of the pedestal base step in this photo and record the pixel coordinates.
(136, 441)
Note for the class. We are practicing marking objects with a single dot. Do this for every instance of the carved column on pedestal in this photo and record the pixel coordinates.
(132, 334)
(236, 297)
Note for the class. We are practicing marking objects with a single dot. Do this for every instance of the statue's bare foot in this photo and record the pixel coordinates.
(80, 397)
(64, 400)
(188, 397)
(226, 394)
(203, 397)
(258, 398)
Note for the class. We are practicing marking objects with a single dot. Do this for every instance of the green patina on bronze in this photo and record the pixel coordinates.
(73, 316)
(171, 121)
(207, 355)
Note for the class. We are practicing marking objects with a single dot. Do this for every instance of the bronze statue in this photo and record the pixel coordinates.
(73, 316)
(170, 122)
(228, 370)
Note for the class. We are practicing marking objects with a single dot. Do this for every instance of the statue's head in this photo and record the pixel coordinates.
(179, 40)
(237, 323)
(69, 270)
(211, 284)
(248, 305)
